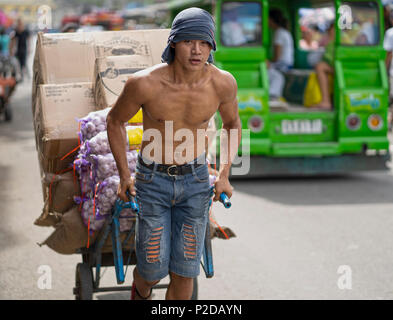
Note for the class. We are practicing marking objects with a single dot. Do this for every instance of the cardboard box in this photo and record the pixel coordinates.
(64, 57)
(131, 42)
(111, 74)
(70, 57)
(55, 121)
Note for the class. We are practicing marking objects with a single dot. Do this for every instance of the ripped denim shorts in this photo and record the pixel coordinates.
(172, 221)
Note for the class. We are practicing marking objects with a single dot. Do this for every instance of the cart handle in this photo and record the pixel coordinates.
(224, 199)
(133, 204)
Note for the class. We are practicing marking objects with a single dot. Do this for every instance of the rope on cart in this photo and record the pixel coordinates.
(73, 150)
(210, 211)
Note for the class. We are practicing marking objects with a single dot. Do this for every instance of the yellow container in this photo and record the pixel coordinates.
(134, 134)
(312, 93)
(138, 118)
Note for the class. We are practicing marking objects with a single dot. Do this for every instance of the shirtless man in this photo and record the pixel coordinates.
(171, 189)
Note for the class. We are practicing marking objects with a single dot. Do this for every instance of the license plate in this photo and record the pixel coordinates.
(301, 126)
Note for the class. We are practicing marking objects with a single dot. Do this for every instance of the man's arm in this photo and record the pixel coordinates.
(229, 143)
(278, 43)
(12, 44)
(388, 61)
(126, 106)
(277, 49)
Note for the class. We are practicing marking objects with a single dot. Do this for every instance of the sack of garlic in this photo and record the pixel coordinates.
(104, 166)
(92, 124)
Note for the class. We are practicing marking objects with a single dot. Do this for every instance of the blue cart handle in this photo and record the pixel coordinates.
(133, 204)
(225, 200)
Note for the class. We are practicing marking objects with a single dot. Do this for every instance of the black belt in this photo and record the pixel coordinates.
(172, 170)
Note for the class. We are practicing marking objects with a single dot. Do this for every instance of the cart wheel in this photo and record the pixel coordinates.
(83, 282)
(8, 113)
(194, 295)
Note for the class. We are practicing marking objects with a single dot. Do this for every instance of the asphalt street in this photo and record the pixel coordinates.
(297, 238)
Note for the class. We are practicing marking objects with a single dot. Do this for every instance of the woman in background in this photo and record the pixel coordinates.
(282, 53)
(325, 68)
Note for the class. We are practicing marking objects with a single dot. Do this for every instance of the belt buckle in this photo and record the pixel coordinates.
(168, 170)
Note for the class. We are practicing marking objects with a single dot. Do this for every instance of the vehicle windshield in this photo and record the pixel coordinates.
(241, 24)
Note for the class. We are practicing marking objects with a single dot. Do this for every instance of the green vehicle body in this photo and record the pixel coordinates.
(360, 87)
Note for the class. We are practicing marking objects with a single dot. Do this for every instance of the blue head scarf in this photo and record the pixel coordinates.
(190, 24)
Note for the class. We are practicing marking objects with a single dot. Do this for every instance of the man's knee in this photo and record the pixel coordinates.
(143, 280)
(179, 279)
(150, 283)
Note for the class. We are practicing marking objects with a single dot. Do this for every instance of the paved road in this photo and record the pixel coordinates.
(296, 238)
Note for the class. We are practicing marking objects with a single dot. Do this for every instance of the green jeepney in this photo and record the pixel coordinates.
(286, 137)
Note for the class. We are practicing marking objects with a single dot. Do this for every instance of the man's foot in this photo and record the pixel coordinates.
(135, 295)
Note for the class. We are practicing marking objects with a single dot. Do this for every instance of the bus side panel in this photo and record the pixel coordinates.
(362, 99)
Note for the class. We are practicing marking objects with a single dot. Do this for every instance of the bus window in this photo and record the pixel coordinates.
(241, 24)
(359, 23)
(313, 27)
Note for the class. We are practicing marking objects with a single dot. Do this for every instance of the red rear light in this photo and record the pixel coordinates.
(353, 122)
(255, 124)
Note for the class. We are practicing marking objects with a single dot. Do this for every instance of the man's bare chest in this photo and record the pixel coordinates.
(193, 107)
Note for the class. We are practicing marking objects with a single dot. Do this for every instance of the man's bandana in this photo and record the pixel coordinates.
(190, 24)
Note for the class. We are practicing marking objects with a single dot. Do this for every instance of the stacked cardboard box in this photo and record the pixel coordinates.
(55, 119)
(70, 57)
(111, 74)
(73, 75)
(69, 83)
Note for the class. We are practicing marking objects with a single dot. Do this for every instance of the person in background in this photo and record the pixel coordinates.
(4, 42)
(307, 43)
(324, 69)
(387, 13)
(388, 38)
(20, 45)
(232, 31)
(283, 53)
(388, 46)
(368, 35)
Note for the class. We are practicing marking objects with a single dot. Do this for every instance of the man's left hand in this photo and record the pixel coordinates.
(222, 185)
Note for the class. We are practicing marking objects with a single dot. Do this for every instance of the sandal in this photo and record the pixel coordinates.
(134, 292)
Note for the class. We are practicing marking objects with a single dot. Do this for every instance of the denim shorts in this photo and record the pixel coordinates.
(172, 221)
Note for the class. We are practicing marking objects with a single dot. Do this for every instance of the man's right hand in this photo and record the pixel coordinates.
(126, 184)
